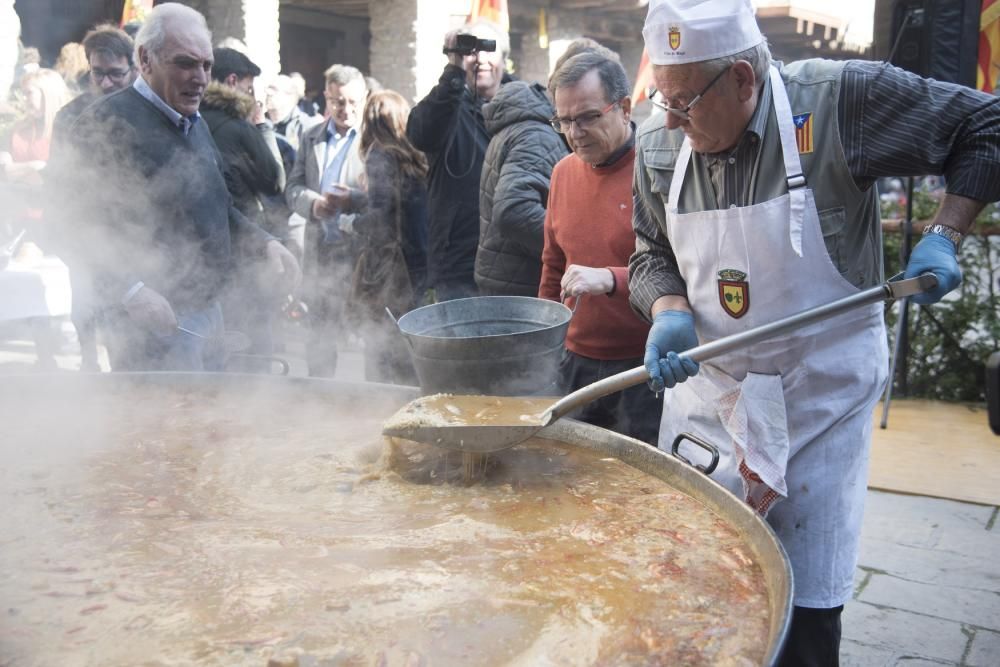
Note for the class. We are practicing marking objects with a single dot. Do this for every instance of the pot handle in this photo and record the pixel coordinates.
(704, 444)
(402, 333)
(576, 303)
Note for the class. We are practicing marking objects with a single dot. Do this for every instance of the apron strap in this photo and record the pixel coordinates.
(680, 168)
(793, 166)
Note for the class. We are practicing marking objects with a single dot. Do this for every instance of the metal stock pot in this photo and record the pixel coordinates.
(493, 345)
(59, 531)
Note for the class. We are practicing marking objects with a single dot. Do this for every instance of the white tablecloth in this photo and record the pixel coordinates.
(35, 287)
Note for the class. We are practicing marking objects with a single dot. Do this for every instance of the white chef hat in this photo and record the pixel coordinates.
(687, 31)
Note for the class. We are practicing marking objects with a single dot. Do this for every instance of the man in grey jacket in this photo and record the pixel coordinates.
(328, 160)
(514, 189)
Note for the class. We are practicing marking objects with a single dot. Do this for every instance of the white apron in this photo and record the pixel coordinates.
(792, 416)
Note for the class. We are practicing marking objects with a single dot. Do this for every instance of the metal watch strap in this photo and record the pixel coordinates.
(949, 233)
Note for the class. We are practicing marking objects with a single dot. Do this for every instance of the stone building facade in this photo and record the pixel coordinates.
(399, 41)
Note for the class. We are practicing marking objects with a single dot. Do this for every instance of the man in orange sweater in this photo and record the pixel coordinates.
(589, 238)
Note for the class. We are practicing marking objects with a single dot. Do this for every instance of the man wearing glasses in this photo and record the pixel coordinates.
(109, 53)
(755, 200)
(588, 239)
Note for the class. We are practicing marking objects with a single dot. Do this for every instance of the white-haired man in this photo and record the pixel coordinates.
(755, 199)
(159, 221)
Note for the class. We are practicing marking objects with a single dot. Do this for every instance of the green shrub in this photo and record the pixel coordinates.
(951, 340)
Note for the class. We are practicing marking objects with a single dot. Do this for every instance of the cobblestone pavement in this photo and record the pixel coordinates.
(928, 581)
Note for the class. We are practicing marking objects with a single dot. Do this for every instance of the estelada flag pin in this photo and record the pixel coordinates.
(804, 132)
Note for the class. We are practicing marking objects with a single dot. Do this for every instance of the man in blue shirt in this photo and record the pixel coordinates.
(327, 166)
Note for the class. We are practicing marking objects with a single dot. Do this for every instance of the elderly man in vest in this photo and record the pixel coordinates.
(755, 199)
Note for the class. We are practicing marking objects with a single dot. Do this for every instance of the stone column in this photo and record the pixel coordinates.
(564, 27)
(261, 29)
(392, 53)
(10, 30)
(253, 22)
(407, 36)
(531, 62)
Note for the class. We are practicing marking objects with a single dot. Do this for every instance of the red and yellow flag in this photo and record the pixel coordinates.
(643, 79)
(989, 46)
(136, 10)
(490, 10)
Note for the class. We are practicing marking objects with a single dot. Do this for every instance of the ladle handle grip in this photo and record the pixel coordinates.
(718, 347)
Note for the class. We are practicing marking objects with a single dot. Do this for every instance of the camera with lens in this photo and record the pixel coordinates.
(466, 45)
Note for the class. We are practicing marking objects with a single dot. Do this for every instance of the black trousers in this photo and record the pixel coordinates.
(634, 412)
(813, 639)
(326, 285)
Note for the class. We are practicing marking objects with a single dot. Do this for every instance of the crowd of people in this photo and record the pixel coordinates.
(196, 208)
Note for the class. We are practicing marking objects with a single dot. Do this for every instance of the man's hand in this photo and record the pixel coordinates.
(258, 116)
(339, 197)
(934, 254)
(672, 332)
(323, 207)
(149, 310)
(282, 263)
(579, 280)
(456, 59)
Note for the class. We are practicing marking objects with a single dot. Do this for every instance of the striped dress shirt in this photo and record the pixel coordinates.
(891, 123)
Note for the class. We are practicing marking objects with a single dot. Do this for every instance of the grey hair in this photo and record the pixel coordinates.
(484, 28)
(284, 85)
(612, 75)
(153, 33)
(582, 45)
(343, 75)
(758, 56)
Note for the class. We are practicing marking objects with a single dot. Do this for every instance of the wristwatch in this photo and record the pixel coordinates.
(949, 233)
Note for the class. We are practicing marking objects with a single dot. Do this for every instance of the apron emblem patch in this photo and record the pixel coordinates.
(734, 292)
(804, 132)
(674, 34)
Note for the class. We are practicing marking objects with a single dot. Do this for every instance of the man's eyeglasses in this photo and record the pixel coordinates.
(115, 75)
(682, 112)
(583, 122)
(342, 102)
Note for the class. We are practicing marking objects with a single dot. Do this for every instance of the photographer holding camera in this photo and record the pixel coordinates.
(448, 126)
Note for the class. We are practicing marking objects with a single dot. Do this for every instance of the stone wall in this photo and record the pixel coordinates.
(401, 44)
(393, 50)
(253, 22)
(10, 30)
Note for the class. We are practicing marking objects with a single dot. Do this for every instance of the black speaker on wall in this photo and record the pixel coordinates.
(933, 38)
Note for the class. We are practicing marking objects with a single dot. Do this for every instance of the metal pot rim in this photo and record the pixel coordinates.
(423, 309)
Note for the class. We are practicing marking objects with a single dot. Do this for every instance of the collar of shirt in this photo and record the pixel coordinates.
(334, 135)
(756, 126)
(620, 151)
(183, 123)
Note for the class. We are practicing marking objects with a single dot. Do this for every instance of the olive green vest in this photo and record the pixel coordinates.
(848, 216)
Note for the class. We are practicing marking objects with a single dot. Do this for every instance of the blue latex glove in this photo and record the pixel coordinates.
(934, 254)
(672, 332)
